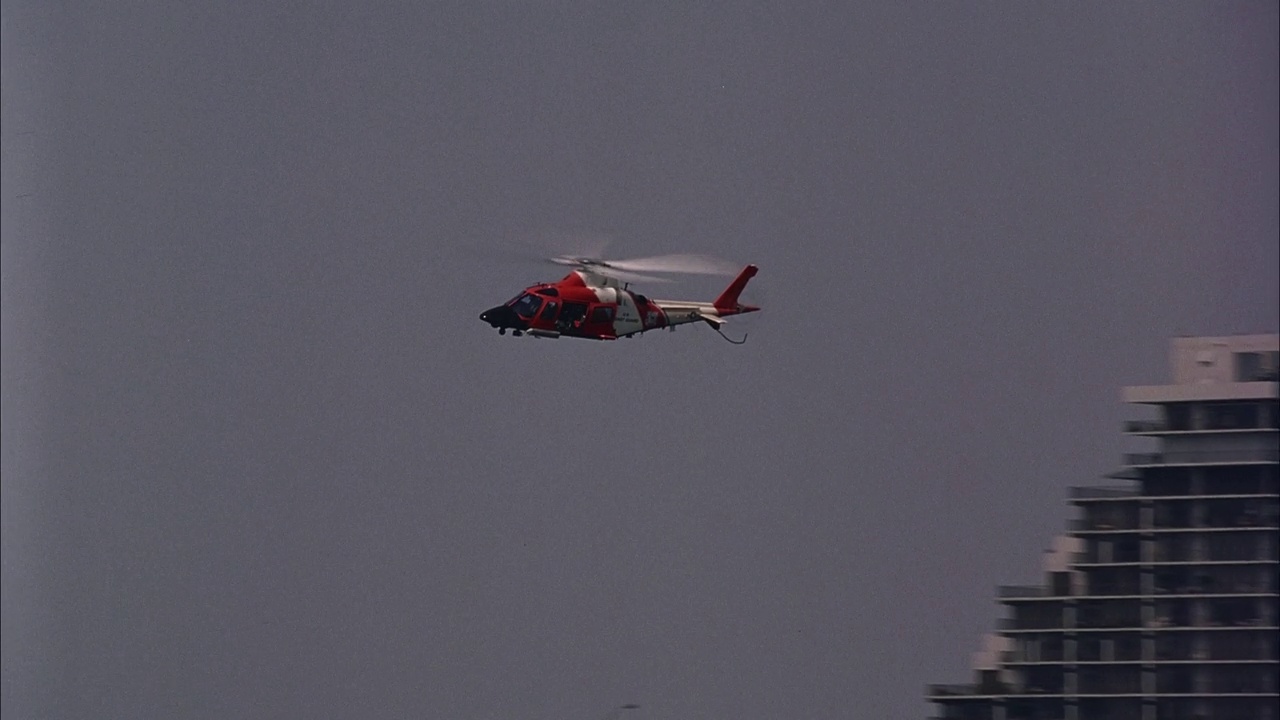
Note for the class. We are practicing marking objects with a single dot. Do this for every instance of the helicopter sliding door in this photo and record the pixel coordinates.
(599, 322)
(571, 316)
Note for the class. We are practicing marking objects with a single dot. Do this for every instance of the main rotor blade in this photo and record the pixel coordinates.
(605, 269)
(623, 275)
(691, 264)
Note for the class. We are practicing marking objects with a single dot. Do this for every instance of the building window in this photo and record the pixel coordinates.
(1247, 366)
(1257, 366)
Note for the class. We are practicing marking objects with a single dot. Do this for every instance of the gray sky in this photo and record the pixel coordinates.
(261, 459)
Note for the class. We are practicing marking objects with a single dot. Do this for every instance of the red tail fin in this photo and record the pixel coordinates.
(727, 303)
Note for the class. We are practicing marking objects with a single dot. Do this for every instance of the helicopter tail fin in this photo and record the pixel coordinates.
(727, 303)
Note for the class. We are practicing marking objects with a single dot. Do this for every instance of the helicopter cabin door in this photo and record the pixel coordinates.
(548, 315)
(571, 317)
(599, 321)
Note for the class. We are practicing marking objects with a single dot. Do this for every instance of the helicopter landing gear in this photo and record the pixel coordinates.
(517, 333)
(502, 331)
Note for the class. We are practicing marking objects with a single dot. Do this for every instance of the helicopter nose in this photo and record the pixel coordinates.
(499, 317)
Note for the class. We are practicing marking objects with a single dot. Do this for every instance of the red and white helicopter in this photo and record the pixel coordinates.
(595, 300)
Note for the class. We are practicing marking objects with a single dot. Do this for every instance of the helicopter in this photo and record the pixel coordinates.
(595, 300)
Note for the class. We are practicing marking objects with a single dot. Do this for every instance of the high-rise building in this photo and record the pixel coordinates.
(1161, 601)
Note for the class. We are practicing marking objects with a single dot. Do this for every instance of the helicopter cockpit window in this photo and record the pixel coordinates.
(527, 306)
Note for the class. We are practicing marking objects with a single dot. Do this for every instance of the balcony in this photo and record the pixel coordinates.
(1197, 392)
(1114, 682)
(1007, 625)
(1203, 457)
(955, 691)
(1104, 493)
(1006, 592)
(1102, 525)
(1157, 427)
(1145, 427)
(1113, 582)
(1114, 623)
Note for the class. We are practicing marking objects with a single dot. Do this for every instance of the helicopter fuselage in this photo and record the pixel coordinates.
(598, 307)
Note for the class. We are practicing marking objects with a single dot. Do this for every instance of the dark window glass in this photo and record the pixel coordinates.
(572, 314)
(527, 306)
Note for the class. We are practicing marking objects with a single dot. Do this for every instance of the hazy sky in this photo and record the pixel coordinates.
(262, 460)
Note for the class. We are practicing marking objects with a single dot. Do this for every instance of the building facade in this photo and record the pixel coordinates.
(1161, 602)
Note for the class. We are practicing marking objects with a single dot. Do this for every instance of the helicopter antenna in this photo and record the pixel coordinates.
(726, 337)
